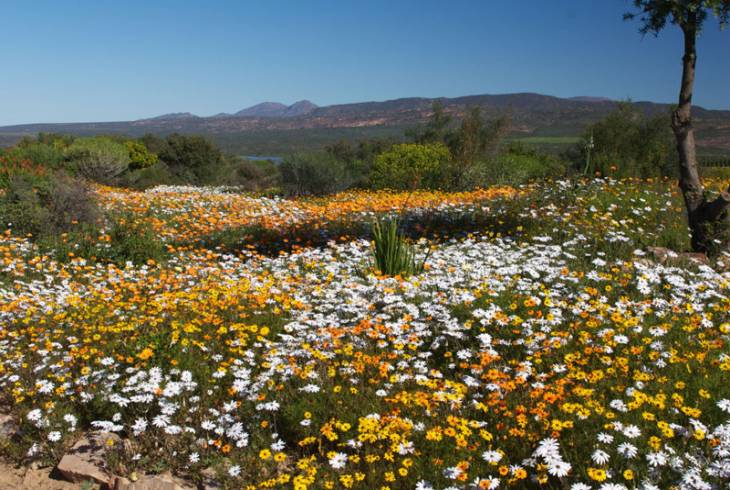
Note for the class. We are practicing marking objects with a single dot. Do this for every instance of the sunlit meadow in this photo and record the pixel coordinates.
(541, 347)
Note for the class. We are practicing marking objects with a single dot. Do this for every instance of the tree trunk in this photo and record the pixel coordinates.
(701, 214)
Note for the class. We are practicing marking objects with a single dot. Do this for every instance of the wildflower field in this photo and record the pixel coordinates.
(541, 347)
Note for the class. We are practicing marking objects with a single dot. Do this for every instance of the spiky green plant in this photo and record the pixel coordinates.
(392, 253)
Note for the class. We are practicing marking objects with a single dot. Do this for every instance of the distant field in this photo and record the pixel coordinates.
(548, 140)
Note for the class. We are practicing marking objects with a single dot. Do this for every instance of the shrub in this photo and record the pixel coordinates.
(313, 174)
(20, 206)
(247, 174)
(359, 159)
(133, 240)
(626, 143)
(11, 165)
(192, 159)
(70, 202)
(43, 204)
(139, 156)
(516, 165)
(157, 174)
(39, 153)
(99, 159)
(392, 253)
(410, 166)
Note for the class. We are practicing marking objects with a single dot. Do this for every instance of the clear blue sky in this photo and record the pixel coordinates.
(120, 60)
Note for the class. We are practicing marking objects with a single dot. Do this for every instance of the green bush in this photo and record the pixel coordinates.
(21, 208)
(411, 166)
(70, 203)
(313, 174)
(43, 203)
(514, 166)
(392, 253)
(49, 156)
(192, 159)
(134, 240)
(99, 159)
(145, 178)
(139, 156)
(359, 159)
(626, 143)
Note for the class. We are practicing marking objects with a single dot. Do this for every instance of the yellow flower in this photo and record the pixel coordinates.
(146, 354)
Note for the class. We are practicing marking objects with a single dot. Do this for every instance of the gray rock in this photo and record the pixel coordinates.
(8, 427)
(164, 481)
(85, 460)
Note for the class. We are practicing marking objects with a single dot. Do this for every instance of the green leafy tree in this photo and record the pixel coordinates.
(411, 166)
(704, 215)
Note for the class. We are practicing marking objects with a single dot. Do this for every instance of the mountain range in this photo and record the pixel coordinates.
(531, 115)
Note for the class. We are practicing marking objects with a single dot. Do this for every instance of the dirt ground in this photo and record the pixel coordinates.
(25, 478)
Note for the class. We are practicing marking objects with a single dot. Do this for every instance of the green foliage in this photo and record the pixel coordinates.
(50, 156)
(629, 144)
(517, 165)
(21, 207)
(392, 253)
(134, 240)
(139, 156)
(313, 174)
(193, 159)
(11, 166)
(157, 174)
(359, 159)
(411, 166)
(43, 203)
(60, 141)
(654, 14)
(473, 142)
(247, 174)
(99, 159)
(437, 127)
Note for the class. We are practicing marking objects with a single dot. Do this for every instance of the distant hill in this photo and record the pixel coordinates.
(276, 109)
(587, 98)
(276, 128)
(175, 116)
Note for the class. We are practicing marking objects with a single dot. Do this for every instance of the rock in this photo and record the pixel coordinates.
(670, 257)
(164, 481)
(661, 254)
(210, 480)
(698, 258)
(85, 460)
(8, 427)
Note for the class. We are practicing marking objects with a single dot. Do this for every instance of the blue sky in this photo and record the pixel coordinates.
(120, 60)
